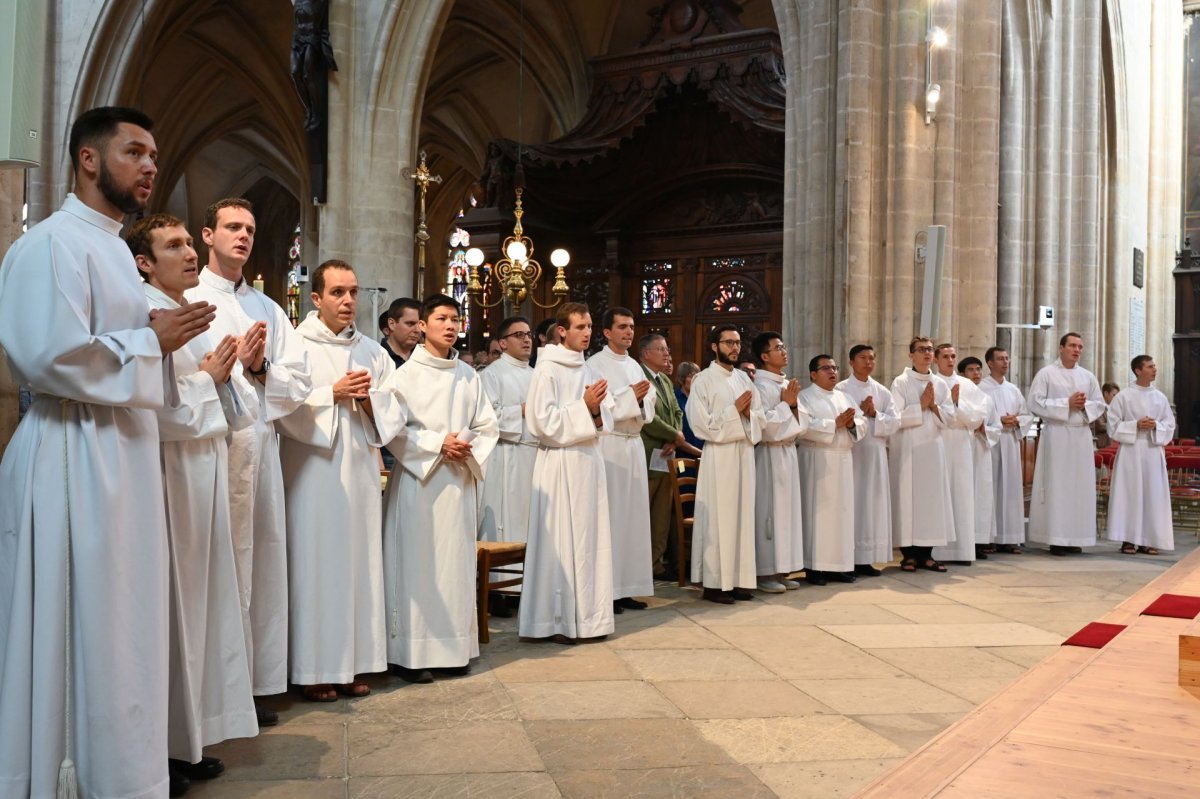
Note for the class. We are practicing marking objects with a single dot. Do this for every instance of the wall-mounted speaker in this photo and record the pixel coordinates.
(22, 81)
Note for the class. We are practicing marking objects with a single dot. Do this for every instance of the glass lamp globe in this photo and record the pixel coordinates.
(474, 256)
(560, 257)
(516, 251)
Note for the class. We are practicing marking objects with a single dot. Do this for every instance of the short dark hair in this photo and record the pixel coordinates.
(435, 301)
(945, 345)
(1138, 362)
(647, 341)
(610, 316)
(1109, 387)
(94, 128)
(857, 348)
(507, 325)
(760, 343)
(815, 363)
(544, 327)
(912, 345)
(383, 322)
(211, 213)
(139, 239)
(318, 275)
(567, 310)
(714, 335)
(990, 355)
(402, 304)
(970, 360)
(1062, 342)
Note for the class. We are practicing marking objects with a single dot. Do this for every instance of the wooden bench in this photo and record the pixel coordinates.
(494, 556)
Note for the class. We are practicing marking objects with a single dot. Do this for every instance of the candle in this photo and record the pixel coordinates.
(258, 283)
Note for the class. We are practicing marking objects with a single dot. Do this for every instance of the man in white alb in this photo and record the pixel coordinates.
(726, 413)
(778, 522)
(272, 358)
(83, 531)
(625, 461)
(1008, 476)
(567, 594)
(1062, 511)
(442, 441)
(210, 699)
(922, 516)
(509, 481)
(966, 415)
(983, 440)
(334, 509)
(872, 487)
(827, 472)
(1141, 421)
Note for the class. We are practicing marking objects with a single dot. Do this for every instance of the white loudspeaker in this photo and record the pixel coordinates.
(22, 81)
(931, 296)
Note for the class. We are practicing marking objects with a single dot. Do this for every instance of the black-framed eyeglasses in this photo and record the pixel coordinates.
(730, 342)
(519, 334)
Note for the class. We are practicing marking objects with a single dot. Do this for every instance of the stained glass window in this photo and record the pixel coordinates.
(658, 295)
(726, 263)
(730, 296)
(457, 273)
(293, 282)
(657, 267)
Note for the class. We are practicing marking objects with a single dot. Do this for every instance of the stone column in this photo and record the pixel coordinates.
(12, 197)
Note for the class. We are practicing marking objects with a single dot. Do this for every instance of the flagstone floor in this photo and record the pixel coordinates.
(812, 693)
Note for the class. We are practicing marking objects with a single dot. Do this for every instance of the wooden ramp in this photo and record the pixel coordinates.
(1084, 722)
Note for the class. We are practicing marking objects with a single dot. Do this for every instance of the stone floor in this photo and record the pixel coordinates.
(812, 693)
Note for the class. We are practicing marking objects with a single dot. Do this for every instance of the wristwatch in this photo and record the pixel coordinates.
(266, 367)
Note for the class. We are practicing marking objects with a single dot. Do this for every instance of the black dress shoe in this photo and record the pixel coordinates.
(814, 578)
(742, 594)
(1075, 550)
(617, 609)
(841, 577)
(411, 675)
(981, 552)
(497, 607)
(266, 716)
(455, 671)
(1059, 551)
(179, 783)
(629, 603)
(206, 769)
(867, 570)
(718, 596)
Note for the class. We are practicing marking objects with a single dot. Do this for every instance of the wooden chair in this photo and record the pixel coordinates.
(683, 488)
(493, 556)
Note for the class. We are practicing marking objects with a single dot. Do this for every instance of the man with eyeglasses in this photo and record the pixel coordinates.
(922, 516)
(827, 473)
(725, 411)
(872, 483)
(664, 432)
(778, 521)
(1062, 510)
(509, 478)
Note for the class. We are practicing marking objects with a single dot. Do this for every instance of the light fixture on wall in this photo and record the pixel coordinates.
(517, 273)
(935, 39)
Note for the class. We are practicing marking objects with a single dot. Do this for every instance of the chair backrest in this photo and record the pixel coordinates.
(683, 485)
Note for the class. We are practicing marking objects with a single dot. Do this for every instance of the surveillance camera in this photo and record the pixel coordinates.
(1045, 316)
(301, 273)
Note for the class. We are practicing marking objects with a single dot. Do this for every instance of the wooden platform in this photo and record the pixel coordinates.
(1084, 722)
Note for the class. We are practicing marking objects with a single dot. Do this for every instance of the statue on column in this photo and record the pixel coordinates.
(312, 61)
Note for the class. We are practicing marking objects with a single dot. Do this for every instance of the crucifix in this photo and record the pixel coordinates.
(423, 179)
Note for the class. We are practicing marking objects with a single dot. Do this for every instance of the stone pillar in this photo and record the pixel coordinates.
(382, 49)
(12, 197)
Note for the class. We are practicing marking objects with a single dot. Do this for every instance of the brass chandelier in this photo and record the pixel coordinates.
(517, 273)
